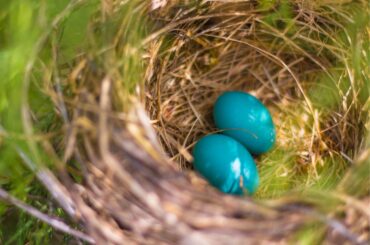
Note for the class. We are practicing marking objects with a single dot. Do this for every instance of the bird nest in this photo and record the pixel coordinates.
(133, 142)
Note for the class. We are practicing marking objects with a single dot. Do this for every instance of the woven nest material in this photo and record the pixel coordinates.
(137, 184)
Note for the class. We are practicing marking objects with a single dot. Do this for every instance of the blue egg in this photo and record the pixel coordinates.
(244, 118)
(226, 164)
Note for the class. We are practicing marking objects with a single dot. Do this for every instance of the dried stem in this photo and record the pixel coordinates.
(55, 223)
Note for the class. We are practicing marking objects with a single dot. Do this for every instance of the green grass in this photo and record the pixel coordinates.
(22, 23)
(349, 78)
(28, 37)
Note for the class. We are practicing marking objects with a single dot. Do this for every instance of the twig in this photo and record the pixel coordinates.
(55, 223)
(55, 188)
(50, 182)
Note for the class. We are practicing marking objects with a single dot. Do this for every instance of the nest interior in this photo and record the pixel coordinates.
(287, 61)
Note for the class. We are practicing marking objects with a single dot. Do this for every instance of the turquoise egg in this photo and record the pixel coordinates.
(244, 118)
(226, 164)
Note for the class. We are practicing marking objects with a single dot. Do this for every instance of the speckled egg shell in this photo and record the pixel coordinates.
(244, 118)
(226, 164)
